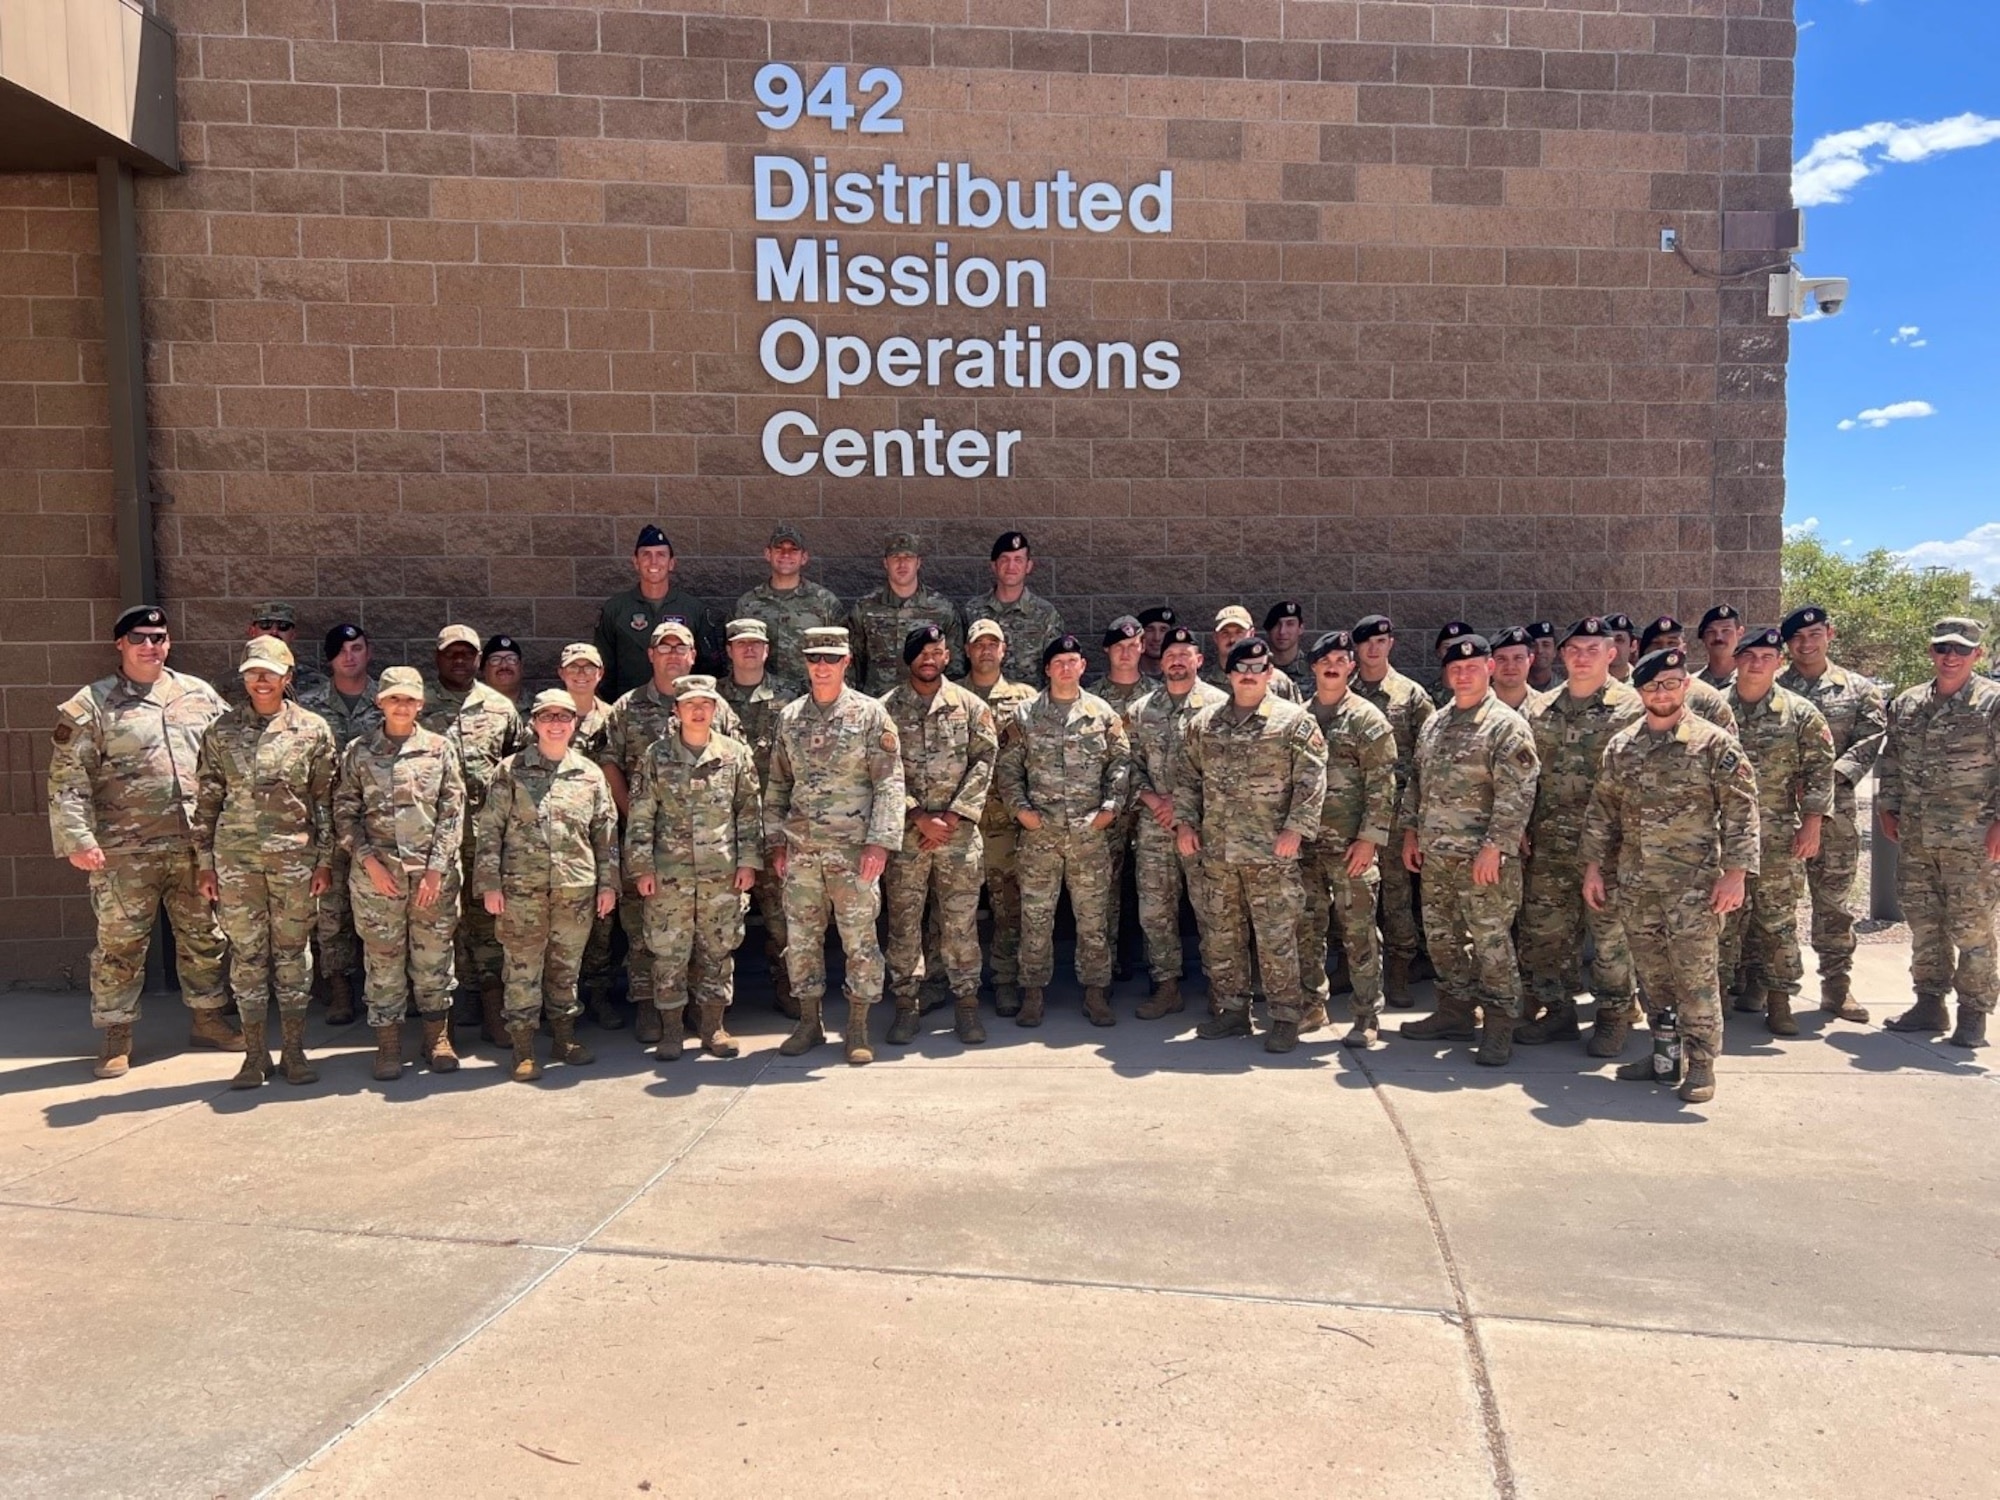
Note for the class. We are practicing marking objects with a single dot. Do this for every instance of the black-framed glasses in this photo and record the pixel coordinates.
(1951, 648)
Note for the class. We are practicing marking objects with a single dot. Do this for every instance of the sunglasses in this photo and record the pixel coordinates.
(1951, 648)
(147, 637)
(1250, 669)
(272, 624)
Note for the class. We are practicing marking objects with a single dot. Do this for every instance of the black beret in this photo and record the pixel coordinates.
(652, 536)
(1009, 541)
(1159, 614)
(1651, 665)
(1122, 629)
(1453, 630)
(1466, 648)
(500, 643)
(1333, 640)
(1369, 626)
(1284, 609)
(1800, 618)
(139, 617)
(1062, 645)
(1717, 613)
(916, 640)
(1180, 635)
(1251, 651)
(1768, 638)
(1541, 630)
(1665, 625)
(338, 637)
(1513, 635)
(1594, 627)
(1619, 624)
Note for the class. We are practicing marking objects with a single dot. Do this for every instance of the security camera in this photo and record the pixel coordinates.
(1792, 293)
(1829, 293)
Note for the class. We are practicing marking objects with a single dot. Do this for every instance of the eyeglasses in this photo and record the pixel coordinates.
(147, 637)
(272, 624)
(1250, 669)
(1951, 648)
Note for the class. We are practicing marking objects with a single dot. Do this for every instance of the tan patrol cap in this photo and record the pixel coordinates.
(1234, 614)
(266, 654)
(748, 629)
(1957, 630)
(582, 651)
(696, 686)
(400, 682)
(458, 635)
(553, 700)
(674, 630)
(826, 640)
(981, 629)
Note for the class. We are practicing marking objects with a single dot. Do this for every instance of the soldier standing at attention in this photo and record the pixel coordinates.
(547, 867)
(1247, 798)
(625, 625)
(1232, 624)
(949, 745)
(1157, 725)
(1542, 675)
(1407, 708)
(787, 602)
(1285, 628)
(1065, 771)
(122, 786)
(263, 834)
(881, 621)
(1720, 629)
(399, 811)
(1624, 636)
(1666, 634)
(1154, 626)
(500, 667)
(1675, 813)
(1465, 812)
(1339, 865)
(1122, 686)
(985, 650)
(833, 812)
(755, 696)
(346, 700)
(581, 669)
(1938, 797)
(1029, 621)
(1858, 718)
(694, 845)
(1513, 661)
(277, 620)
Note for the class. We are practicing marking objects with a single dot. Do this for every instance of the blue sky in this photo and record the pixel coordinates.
(1911, 213)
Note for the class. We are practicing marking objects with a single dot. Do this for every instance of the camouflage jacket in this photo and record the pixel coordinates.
(1003, 697)
(1672, 808)
(1858, 717)
(404, 804)
(880, 622)
(1710, 703)
(756, 709)
(123, 767)
(483, 726)
(1066, 761)
(1360, 771)
(591, 729)
(1247, 776)
(788, 616)
(696, 814)
(1407, 709)
(1472, 781)
(1791, 753)
(546, 826)
(1570, 736)
(1940, 766)
(347, 724)
(836, 776)
(1156, 725)
(1298, 672)
(1031, 622)
(1722, 682)
(266, 787)
(641, 719)
(1122, 695)
(949, 744)
(1282, 686)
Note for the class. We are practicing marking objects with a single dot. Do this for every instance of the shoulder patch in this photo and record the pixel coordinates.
(65, 731)
(1524, 757)
(888, 740)
(1729, 762)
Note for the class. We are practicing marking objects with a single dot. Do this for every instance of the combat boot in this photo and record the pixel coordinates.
(714, 1040)
(1778, 1014)
(567, 1048)
(1836, 999)
(1166, 1001)
(965, 1022)
(1225, 1023)
(296, 1068)
(389, 1051)
(1313, 1019)
(647, 1025)
(1006, 999)
(1930, 1014)
(464, 1008)
(1396, 983)
(256, 1061)
(208, 1029)
(1450, 1022)
(339, 1000)
(909, 1020)
(1029, 1013)
(670, 1036)
(781, 991)
(493, 1028)
(933, 994)
(1557, 1024)
(438, 1055)
(856, 1037)
(1097, 1006)
(1698, 1083)
(1363, 1034)
(522, 1039)
(1610, 1030)
(1282, 1037)
(807, 1034)
(1750, 1000)
(1970, 1032)
(1496, 1040)
(114, 1052)
(1638, 1072)
(603, 1013)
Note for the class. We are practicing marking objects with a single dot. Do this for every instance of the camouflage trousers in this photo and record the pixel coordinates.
(597, 951)
(1950, 898)
(693, 929)
(1401, 936)
(1555, 921)
(406, 949)
(945, 879)
(1001, 865)
(542, 937)
(1254, 909)
(1762, 934)
(1332, 895)
(770, 896)
(1675, 938)
(1119, 838)
(1831, 876)
(1161, 874)
(1470, 932)
(632, 919)
(339, 948)
(1052, 857)
(478, 949)
(125, 898)
(266, 911)
(824, 886)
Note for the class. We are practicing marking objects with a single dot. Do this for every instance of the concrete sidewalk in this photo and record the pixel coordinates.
(1072, 1262)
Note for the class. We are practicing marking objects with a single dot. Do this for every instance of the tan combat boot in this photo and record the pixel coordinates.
(1640, 1071)
(1396, 983)
(1778, 1014)
(1610, 1029)
(649, 1022)
(437, 1044)
(1750, 1000)
(1363, 1034)
(1836, 999)
(808, 1034)
(1698, 1083)
(714, 1040)
(522, 1039)
(296, 1068)
(856, 1037)
(1496, 1040)
(208, 1029)
(567, 1048)
(671, 1037)
(1029, 1012)
(1097, 1006)
(1313, 1020)
(339, 1000)
(114, 1052)
(1225, 1023)
(1006, 999)
(256, 1061)
(1166, 1001)
(1930, 1014)
(389, 1051)
(965, 1022)
(493, 1029)
(1556, 1024)
(909, 1019)
(1282, 1037)
(1450, 1022)
(1970, 1032)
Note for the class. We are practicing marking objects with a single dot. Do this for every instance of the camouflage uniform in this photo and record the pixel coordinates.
(1671, 811)
(1069, 762)
(756, 708)
(1119, 836)
(879, 623)
(1360, 804)
(1282, 687)
(122, 778)
(1940, 775)
(485, 728)
(1157, 725)
(1791, 753)
(696, 819)
(548, 842)
(263, 824)
(405, 805)
(339, 950)
(1244, 777)
(1711, 704)
(1472, 783)
(949, 744)
(787, 616)
(1407, 709)
(1001, 836)
(1722, 682)
(1030, 623)
(836, 785)
(1299, 673)
(588, 741)
(1856, 714)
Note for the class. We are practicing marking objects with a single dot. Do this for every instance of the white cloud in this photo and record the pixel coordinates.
(1978, 552)
(1882, 416)
(1836, 163)
(1798, 531)
(1910, 337)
